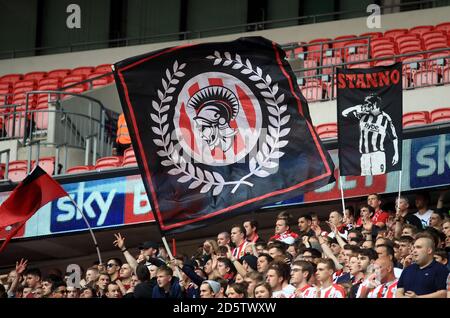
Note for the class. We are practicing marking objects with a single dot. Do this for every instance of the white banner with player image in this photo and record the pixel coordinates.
(369, 112)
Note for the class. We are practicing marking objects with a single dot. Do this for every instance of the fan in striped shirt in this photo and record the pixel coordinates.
(374, 125)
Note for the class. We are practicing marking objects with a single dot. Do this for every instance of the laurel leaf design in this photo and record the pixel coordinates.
(206, 187)
(184, 178)
(218, 189)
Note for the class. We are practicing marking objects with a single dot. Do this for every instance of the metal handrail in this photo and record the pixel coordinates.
(198, 33)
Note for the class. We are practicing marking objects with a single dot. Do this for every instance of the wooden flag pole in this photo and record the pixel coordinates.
(90, 230)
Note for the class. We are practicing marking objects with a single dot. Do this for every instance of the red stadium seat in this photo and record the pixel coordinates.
(383, 53)
(443, 27)
(25, 83)
(415, 118)
(356, 57)
(111, 160)
(59, 73)
(327, 130)
(72, 79)
(41, 116)
(372, 35)
(427, 36)
(330, 61)
(310, 64)
(83, 70)
(17, 174)
(359, 65)
(338, 46)
(15, 125)
(440, 115)
(6, 86)
(384, 62)
(18, 164)
(107, 166)
(425, 78)
(446, 75)
(129, 152)
(130, 163)
(420, 29)
(103, 68)
(11, 78)
(406, 37)
(394, 33)
(316, 51)
(312, 93)
(50, 81)
(35, 76)
(435, 45)
(79, 169)
(47, 164)
(105, 80)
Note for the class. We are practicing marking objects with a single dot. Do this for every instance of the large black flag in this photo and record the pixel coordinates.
(219, 129)
(369, 112)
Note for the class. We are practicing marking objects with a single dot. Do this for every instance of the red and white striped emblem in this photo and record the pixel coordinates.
(243, 128)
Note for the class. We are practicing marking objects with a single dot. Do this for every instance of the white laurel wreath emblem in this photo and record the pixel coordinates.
(261, 165)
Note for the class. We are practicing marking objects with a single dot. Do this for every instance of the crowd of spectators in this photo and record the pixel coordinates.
(378, 251)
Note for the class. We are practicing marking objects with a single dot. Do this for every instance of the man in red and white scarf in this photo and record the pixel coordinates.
(251, 231)
(238, 239)
(326, 288)
(283, 232)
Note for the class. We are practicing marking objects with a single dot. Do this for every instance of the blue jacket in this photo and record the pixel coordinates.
(174, 291)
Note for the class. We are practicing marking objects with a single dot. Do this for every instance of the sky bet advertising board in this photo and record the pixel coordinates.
(122, 201)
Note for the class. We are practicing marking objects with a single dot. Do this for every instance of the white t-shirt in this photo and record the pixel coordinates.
(424, 218)
(286, 292)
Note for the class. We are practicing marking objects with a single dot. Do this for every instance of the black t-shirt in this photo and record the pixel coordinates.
(144, 290)
(427, 280)
(413, 220)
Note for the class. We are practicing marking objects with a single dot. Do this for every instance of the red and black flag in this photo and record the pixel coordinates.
(369, 113)
(35, 191)
(219, 129)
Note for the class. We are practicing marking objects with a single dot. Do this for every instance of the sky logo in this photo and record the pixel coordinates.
(102, 202)
(430, 161)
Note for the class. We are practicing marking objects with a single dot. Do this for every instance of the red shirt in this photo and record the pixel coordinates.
(379, 216)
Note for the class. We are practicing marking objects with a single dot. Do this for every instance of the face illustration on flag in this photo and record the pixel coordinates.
(219, 129)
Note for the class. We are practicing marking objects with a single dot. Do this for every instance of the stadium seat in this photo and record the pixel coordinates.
(129, 162)
(384, 62)
(109, 160)
(312, 93)
(11, 78)
(446, 75)
(420, 29)
(330, 61)
(359, 65)
(310, 64)
(17, 174)
(105, 80)
(59, 73)
(394, 33)
(415, 118)
(383, 52)
(356, 46)
(427, 36)
(372, 35)
(47, 164)
(337, 47)
(41, 116)
(440, 115)
(107, 166)
(83, 70)
(445, 27)
(79, 169)
(435, 45)
(356, 57)
(425, 78)
(328, 130)
(15, 125)
(316, 48)
(50, 81)
(103, 68)
(129, 152)
(5, 86)
(406, 37)
(24, 83)
(72, 79)
(18, 164)
(35, 76)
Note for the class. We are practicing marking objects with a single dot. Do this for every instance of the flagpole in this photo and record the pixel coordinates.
(90, 230)
(342, 192)
(399, 185)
